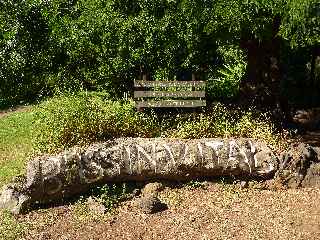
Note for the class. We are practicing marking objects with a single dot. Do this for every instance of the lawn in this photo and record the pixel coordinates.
(15, 143)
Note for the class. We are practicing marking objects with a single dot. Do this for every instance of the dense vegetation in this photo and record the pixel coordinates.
(81, 119)
(49, 47)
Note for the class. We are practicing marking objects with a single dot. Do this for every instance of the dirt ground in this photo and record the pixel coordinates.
(4, 113)
(215, 211)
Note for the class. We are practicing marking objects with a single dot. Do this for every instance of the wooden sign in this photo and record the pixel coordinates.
(171, 103)
(177, 94)
(142, 83)
(195, 97)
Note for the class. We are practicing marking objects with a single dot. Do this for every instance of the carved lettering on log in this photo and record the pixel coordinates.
(146, 161)
(90, 169)
(50, 181)
(173, 156)
(152, 159)
(216, 146)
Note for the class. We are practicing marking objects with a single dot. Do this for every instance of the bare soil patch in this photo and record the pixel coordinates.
(217, 211)
(4, 113)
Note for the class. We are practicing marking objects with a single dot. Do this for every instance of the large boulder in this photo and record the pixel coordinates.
(49, 178)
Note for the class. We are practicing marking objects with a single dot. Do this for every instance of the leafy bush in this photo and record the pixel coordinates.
(224, 82)
(79, 119)
(223, 122)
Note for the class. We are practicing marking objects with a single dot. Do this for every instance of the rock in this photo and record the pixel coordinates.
(312, 177)
(13, 199)
(9, 198)
(52, 178)
(152, 189)
(244, 184)
(151, 204)
(308, 118)
(95, 206)
(299, 167)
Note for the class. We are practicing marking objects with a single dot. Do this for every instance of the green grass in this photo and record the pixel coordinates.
(10, 227)
(15, 144)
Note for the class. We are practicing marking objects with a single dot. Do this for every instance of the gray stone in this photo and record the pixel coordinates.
(244, 184)
(51, 178)
(9, 198)
(14, 200)
(312, 177)
(151, 204)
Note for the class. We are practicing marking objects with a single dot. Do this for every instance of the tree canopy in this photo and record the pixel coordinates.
(67, 45)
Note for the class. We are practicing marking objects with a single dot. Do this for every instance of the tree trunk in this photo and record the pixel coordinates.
(315, 52)
(75, 171)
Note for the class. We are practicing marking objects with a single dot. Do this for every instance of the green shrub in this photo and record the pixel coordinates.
(223, 122)
(224, 81)
(65, 121)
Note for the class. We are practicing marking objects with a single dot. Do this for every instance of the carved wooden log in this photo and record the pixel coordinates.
(49, 178)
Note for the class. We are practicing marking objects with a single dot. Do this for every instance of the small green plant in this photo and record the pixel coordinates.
(10, 228)
(111, 194)
(194, 184)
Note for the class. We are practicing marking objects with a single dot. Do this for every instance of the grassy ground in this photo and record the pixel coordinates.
(15, 143)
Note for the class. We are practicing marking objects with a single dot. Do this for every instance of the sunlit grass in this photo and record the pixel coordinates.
(15, 144)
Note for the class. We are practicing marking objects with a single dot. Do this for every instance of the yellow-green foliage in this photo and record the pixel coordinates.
(66, 121)
(10, 228)
(223, 122)
(81, 119)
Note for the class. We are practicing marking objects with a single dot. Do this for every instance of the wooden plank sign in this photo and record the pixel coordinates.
(193, 98)
(177, 94)
(171, 103)
(142, 83)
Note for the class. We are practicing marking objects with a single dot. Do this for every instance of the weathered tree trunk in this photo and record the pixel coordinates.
(315, 52)
(262, 83)
(51, 178)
